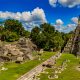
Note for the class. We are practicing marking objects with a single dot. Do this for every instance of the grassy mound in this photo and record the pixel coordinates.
(70, 73)
(16, 70)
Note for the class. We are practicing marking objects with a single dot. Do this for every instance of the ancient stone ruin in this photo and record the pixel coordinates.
(73, 45)
(18, 51)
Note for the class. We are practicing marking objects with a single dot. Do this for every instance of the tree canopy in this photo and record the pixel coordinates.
(45, 36)
(12, 30)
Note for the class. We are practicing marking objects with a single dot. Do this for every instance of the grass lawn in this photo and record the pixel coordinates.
(68, 74)
(16, 70)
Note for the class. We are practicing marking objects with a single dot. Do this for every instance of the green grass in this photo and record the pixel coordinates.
(70, 73)
(16, 70)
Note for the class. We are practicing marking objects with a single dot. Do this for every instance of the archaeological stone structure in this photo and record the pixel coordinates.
(73, 45)
(17, 51)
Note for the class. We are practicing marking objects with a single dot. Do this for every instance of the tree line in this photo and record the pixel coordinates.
(12, 30)
(44, 36)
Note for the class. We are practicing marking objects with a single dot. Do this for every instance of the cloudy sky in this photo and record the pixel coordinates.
(60, 13)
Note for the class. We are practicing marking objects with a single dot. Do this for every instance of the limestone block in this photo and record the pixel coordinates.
(20, 59)
(41, 51)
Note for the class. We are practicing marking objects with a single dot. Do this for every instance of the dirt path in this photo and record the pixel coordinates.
(38, 69)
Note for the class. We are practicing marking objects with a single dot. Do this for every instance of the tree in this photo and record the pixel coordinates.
(12, 37)
(4, 35)
(9, 36)
(12, 31)
(43, 36)
(35, 31)
(58, 42)
(14, 26)
(26, 34)
(47, 28)
(1, 28)
(40, 40)
(47, 37)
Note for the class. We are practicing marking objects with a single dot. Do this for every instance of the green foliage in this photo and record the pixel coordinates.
(12, 30)
(1, 28)
(47, 28)
(35, 31)
(26, 34)
(14, 26)
(9, 36)
(12, 37)
(16, 70)
(40, 40)
(70, 73)
(47, 37)
(58, 42)
(4, 35)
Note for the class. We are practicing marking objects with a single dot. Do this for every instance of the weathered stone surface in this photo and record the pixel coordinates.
(20, 59)
(19, 51)
(73, 45)
(41, 51)
(26, 46)
(4, 69)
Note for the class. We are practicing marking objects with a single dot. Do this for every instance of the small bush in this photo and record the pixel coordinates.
(12, 37)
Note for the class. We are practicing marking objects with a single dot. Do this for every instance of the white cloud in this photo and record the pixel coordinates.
(65, 3)
(69, 3)
(59, 22)
(69, 27)
(53, 2)
(59, 25)
(37, 16)
(75, 20)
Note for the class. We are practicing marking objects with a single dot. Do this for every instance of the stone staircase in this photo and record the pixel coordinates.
(73, 45)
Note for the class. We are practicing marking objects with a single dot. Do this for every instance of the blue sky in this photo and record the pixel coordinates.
(61, 13)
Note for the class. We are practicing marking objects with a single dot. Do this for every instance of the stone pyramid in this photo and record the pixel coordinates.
(73, 45)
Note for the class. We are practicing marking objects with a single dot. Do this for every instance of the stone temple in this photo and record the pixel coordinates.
(73, 45)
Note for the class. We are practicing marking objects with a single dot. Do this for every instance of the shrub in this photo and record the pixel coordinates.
(12, 37)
